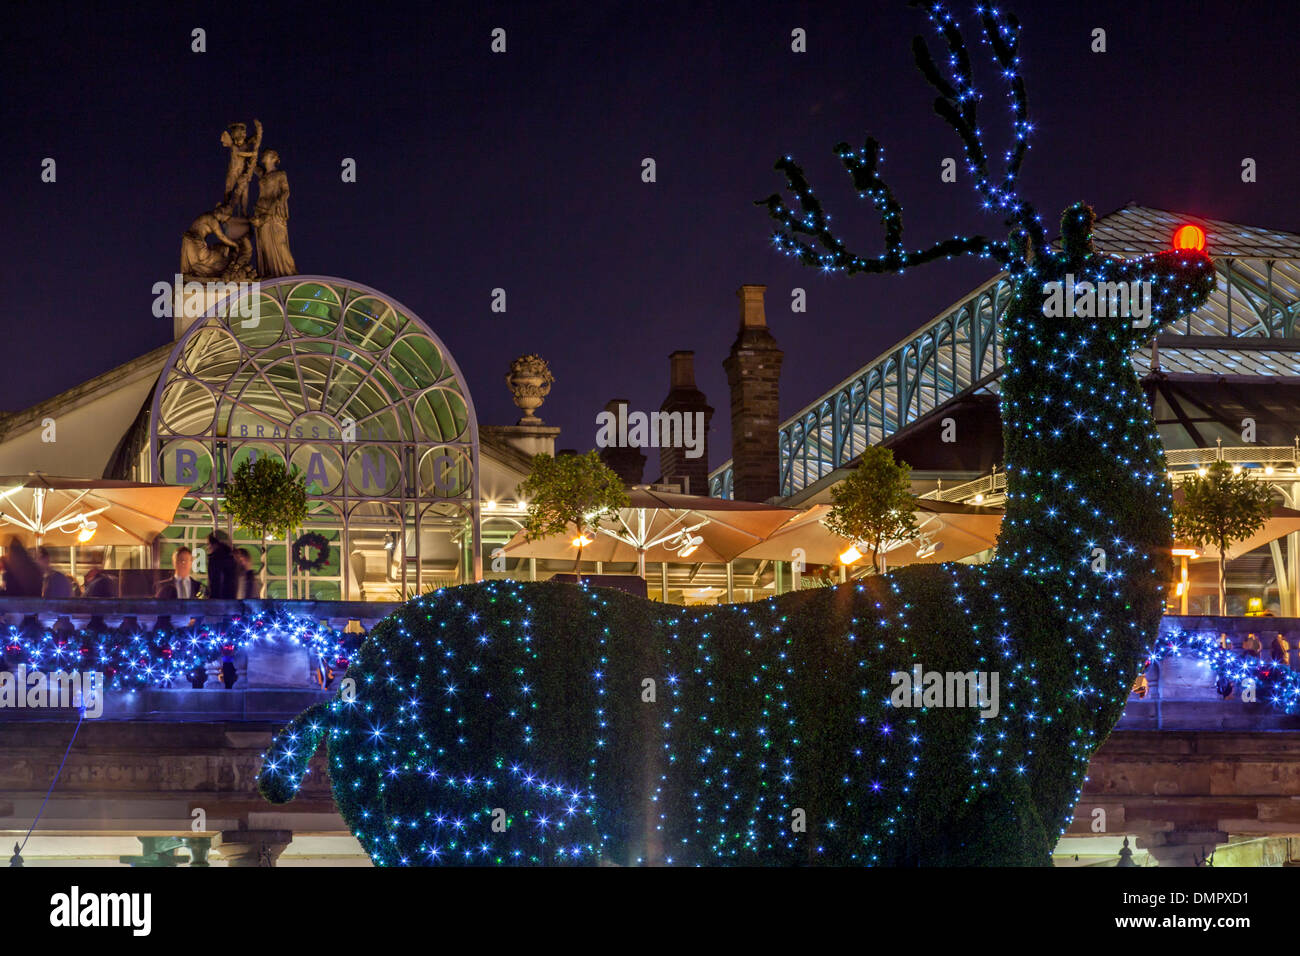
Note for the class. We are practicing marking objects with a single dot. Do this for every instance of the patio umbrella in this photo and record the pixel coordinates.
(665, 526)
(1281, 521)
(946, 532)
(63, 512)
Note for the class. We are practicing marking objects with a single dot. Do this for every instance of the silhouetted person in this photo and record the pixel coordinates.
(22, 575)
(54, 584)
(248, 586)
(1280, 650)
(222, 585)
(99, 584)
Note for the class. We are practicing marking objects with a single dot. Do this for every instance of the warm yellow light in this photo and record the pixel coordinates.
(1268, 469)
(1182, 586)
(581, 541)
(1202, 472)
(1236, 469)
(979, 499)
(86, 533)
(687, 551)
(851, 555)
(1186, 553)
(489, 505)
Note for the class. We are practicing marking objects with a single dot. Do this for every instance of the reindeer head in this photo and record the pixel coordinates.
(1121, 302)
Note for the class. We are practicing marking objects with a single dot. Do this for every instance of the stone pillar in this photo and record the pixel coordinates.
(626, 462)
(678, 464)
(753, 373)
(252, 847)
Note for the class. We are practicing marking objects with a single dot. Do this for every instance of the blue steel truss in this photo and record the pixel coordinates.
(960, 351)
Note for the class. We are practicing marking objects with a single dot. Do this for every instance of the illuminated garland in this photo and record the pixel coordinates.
(167, 656)
(1274, 682)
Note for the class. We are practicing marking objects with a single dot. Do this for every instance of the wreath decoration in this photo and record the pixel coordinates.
(316, 541)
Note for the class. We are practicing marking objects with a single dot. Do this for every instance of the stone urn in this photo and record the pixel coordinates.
(530, 381)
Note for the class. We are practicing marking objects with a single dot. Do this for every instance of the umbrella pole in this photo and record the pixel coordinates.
(1293, 568)
(731, 584)
(663, 581)
(640, 562)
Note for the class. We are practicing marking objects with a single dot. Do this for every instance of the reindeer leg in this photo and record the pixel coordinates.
(1001, 828)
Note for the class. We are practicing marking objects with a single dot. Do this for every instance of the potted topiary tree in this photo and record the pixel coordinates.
(1219, 508)
(577, 490)
(266, 498)
(875, 504)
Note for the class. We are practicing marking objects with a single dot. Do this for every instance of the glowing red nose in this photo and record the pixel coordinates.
(1190, 238)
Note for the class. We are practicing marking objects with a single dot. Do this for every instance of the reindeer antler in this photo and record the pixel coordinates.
(956, 103)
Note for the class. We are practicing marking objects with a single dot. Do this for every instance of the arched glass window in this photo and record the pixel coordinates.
(357, 392)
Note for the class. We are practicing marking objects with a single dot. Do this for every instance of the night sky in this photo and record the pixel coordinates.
(523, 170)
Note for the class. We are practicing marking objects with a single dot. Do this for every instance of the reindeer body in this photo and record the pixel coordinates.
(546, 723)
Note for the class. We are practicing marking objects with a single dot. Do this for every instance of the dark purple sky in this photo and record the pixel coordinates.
(522, 170)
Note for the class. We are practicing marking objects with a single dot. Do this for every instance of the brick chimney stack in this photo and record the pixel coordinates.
(626, 462)
(683, 396)
(754, 372)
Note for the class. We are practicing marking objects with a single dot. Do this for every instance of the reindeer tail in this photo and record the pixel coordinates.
(285, 766)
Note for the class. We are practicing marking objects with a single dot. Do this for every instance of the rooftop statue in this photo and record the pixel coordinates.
(200, 260)
(271, 219)
(243, 160)
(229, 256)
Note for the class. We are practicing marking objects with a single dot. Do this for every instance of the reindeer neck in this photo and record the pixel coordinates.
(1085, 468)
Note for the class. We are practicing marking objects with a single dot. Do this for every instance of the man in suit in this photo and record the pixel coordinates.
(180, 586)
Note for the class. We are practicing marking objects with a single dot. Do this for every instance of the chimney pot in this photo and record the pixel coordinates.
(681, 369)
(752, 315)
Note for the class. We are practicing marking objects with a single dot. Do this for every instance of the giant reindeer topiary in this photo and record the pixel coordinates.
(545, 723)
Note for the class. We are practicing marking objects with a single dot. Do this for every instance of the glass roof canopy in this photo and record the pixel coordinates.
(335, 378)
(1247, 327)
